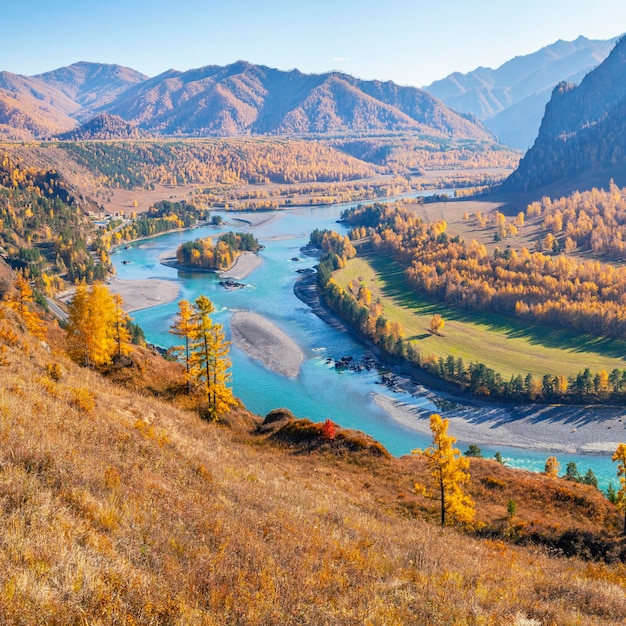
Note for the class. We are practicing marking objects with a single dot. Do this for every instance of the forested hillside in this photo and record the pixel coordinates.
(581, 142)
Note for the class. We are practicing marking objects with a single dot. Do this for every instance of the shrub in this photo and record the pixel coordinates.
(82, 399)
(54, 371)
(328, 430)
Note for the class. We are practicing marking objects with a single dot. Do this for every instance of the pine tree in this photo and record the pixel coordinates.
(449, 471)
(209, 360)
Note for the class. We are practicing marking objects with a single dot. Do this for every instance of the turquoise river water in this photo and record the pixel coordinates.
(319, 391)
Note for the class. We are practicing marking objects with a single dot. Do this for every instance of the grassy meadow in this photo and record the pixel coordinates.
(503, 343)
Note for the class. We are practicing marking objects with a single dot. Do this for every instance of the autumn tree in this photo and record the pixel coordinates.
(121, 321)
(96, 328)
(22, 303)
(436, 324)
(328, 430)
(183, 328)
(209, 359)
(449, 471)
(552, 467)
(620, 498)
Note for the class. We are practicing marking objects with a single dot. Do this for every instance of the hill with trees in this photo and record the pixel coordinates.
(581, 142)
(102, 127)
(510, 100)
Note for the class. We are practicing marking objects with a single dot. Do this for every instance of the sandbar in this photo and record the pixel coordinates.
(144, 293)
(244, 265)
(261, 340)
(557, 429)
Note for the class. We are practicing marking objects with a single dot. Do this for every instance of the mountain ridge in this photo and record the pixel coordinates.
(237, 99)
(524, 82)
(582, 135)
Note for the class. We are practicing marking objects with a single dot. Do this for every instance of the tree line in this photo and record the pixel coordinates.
(357, 307)
(130, 165)
(556, 289)
(593, 221)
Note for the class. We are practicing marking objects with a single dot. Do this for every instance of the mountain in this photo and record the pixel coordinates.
(510, 100)
(30, 108)
(52, 103)
(91, 85)
(250, 99)
(237, 99)
(582, 139)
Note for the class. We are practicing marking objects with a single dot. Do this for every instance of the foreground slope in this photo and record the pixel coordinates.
(581, 142)
(116, 507)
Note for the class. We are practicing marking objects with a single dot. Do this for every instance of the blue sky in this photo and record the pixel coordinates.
(411, 42)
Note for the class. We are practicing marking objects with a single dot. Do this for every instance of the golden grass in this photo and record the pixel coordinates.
(137, 512)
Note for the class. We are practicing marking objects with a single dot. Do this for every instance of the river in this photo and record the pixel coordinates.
(319, 391)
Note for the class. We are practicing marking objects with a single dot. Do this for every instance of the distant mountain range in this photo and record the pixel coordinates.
(511, 99)
(582, 139)
(237, 99)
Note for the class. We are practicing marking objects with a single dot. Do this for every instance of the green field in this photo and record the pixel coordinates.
(503, 343)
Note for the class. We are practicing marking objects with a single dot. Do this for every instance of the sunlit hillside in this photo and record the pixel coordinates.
(118, 507)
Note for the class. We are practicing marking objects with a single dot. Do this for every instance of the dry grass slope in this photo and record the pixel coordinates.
(119, 508)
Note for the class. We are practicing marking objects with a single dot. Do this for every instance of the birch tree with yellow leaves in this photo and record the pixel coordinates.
(448, 470)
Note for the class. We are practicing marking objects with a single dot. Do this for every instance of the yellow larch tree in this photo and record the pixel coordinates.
(620, 458)
(436, 324)
(209, 360)
(552, 467)
(183, 327)
(22, 303)
(449, 471)
(121, 320)
(97, 326)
